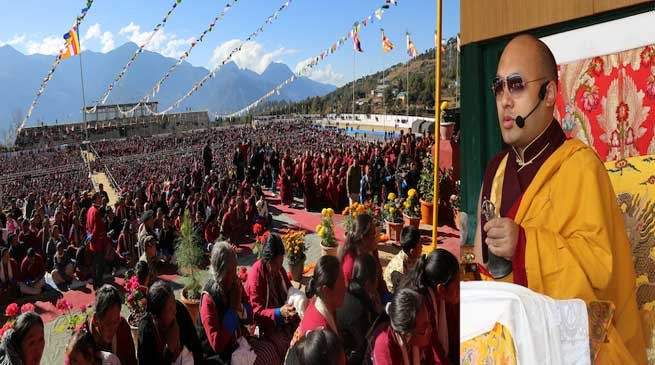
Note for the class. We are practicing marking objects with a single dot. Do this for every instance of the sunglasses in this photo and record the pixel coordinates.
(515, 84)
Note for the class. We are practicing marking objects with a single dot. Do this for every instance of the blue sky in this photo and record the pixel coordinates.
(302, 31)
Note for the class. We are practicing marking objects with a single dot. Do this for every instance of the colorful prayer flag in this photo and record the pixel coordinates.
(357, 44)
(72, 46)
(378, 14)
(386, 43)
(411, 50)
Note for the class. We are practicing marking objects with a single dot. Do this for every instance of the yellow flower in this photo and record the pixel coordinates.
(330, 212)
(406, 204)
(392, 210)
(318, 227)
(411, 193)
(324, 212)
(391, 196)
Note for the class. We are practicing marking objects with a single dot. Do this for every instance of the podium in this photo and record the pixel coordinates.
(514, 325)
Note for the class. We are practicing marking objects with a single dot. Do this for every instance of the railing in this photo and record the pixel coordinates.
(41, 172)
(111, 178)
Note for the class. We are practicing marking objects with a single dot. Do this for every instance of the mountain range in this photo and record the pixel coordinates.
(230, 90)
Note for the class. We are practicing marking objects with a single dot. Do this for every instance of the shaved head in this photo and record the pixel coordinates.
(532, 60)
(544, 57)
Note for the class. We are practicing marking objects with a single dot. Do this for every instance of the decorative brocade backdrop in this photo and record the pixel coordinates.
(609, 103)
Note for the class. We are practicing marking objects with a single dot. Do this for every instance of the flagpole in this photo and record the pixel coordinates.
(437, 99)
(407, 88)
(82, 83)
(354, 83)
(384, 107)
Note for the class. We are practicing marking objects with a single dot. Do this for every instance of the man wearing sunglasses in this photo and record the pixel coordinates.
(548, 213)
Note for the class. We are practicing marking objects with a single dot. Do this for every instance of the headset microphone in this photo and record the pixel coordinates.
(520, 121)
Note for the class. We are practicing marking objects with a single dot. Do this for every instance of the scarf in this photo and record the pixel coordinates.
(416, 355)
(325, 312)
(439, 308)
(6, 276)
(276, 299)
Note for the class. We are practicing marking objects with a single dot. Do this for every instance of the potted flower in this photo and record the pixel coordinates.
(71, 321)
(351, 212)
(294, 244)
(325, 230)
(261, 234)
(393, 218)
(426, 189)
(136, 303)
(11, 312)
(412, 209)
(189, 258)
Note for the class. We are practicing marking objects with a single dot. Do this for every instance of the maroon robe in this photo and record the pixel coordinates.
(286, 181)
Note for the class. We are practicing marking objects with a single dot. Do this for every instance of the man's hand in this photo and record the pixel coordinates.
(502, 237)
(287, 310)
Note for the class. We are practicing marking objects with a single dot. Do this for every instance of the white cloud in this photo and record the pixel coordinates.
(133, 33)
(92, 32)
(251, 56)
(16, 41)
(300, 65)
(168, 45)
(107, 40)
(50, 45)
(176, 47)
(325, 75)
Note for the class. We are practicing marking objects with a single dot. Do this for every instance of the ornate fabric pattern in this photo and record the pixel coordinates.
(600, 318)
(608, 102)
(495, 347)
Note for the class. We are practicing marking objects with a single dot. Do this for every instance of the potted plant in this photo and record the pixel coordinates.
(294, 244)
(325, 230)
(189, 258)
(351, 212)
(392, 214)
(136, 303)
(412, 209)
(11, 312)
(426, 189)
(456, 203)
(261, 234)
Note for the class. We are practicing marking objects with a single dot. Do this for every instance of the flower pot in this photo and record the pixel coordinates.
(446, 131)
(426, 212)
(190, 305)
(411, 221)
(296, 269)
(135, 338)
(329, 251)
(393, 230)
(133, 321)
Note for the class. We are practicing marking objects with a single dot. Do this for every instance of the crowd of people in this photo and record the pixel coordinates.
(219, 175)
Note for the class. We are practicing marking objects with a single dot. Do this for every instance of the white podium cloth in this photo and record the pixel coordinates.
(544, 330)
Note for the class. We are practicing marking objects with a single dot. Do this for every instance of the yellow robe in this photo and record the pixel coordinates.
(577, 247)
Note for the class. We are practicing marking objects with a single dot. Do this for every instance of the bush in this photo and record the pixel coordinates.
(189, 257)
